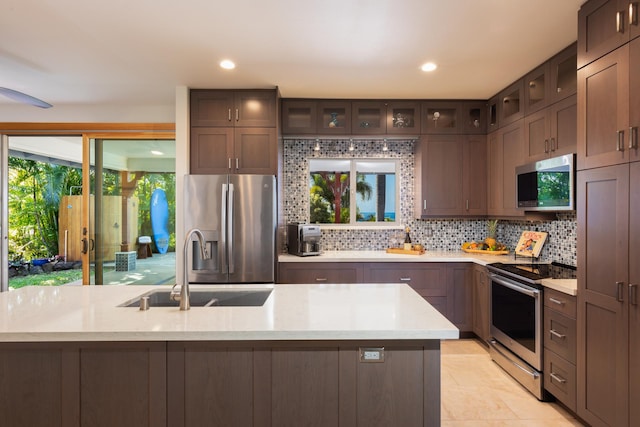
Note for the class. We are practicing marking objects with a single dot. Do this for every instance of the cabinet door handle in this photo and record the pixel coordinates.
(620, 296)
(633, 138)
(546, 145)
(556, 301)
(620, 22)
(557, 378)
(620, 140)
(229, 118)
(557, 334)
(321, 279)
(633, 293)
(237, 163)
(405, 279)
(229, 163)
(633, 13)
(424, 203)
(553, 144)
(467, 204)
(237, 115)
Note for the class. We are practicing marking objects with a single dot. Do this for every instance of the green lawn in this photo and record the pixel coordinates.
(46, 279)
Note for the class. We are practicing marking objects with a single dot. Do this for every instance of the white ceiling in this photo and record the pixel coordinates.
(123, 52)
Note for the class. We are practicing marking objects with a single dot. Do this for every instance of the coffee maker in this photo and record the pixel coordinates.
(303, 239)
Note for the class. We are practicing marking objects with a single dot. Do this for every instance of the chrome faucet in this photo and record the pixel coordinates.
(183, 296)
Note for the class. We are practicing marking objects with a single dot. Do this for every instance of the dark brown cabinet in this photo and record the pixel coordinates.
(299, 117)
(233, 132)
(403, 118)
(224, 108)
(233, 150)
(603, 26)
(551, 82)
(83, 384)
(551, 132)
(369, 117)
(511, 103)
(450, 175)
(303, 383)
(481, 303)
(505, 151)
(319, 272)
(608, 243)
(334, 117)
(560, 337)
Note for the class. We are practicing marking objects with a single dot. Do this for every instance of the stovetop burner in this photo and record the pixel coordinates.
(534, 273)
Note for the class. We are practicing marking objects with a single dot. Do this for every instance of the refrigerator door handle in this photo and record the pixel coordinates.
(230, 230)
(223, 228)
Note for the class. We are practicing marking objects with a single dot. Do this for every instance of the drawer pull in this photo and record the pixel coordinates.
(321, 279)
(556, 301)
(633, 294)
(557, 377)
(557, 334)
(405, 279)
(620, 22)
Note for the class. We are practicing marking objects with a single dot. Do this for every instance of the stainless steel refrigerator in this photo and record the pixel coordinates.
(237, 215)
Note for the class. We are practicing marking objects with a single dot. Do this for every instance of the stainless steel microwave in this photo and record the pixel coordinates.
(547, 185)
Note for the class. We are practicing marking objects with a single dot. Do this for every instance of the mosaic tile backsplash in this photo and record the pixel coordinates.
(436, 234)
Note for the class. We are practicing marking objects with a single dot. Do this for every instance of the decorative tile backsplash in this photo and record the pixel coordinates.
(436, 234)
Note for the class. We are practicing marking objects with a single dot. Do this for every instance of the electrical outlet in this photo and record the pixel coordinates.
(371, 354)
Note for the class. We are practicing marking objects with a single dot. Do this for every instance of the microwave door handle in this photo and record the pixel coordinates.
(230, 230)
(223, 228)
(518, 288)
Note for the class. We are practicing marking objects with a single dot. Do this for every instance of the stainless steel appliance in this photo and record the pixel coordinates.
(237, 215)
(547, 185)
(303, 239)
(516, 319)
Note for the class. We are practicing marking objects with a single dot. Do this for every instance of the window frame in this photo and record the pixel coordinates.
(353, 224)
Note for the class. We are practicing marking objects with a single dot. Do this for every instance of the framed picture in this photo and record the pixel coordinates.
(530, 243)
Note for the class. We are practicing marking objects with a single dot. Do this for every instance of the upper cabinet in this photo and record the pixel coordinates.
(455, 117)
(233, 108)
(603, 26)
(609, 108)
(233, 132)
(551, 132)
(511, 103)
(357, 117)
(551, 82)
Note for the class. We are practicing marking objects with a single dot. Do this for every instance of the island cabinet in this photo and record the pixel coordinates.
(560, 346)
(233, 132)
(603, 26)
(83, 384)
(608, 317)
(505, 151)
(308, 383)
(450, 175)
(481, 303)
(319, 272)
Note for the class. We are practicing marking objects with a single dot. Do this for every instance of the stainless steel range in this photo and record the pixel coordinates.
(516, 318)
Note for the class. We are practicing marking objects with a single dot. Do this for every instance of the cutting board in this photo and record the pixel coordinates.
(478, 251)
(404, 251)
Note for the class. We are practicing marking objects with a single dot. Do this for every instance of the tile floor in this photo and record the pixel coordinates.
(476, 392)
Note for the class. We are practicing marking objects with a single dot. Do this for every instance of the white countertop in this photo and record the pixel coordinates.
(568, 286)
(382, 256)
(292, 312)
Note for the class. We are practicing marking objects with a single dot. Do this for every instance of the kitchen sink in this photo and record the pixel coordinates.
(205, 298)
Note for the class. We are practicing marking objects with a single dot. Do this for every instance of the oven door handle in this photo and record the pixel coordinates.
(532, 292)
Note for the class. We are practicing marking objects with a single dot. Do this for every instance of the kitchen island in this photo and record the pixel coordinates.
(365, 354)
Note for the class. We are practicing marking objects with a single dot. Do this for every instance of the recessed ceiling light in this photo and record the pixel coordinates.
(227, 64)
(428, 66)
(157, 153)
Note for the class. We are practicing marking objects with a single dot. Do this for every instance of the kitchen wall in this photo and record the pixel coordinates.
(436, 234)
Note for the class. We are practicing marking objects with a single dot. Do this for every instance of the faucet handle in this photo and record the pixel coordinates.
(175, 294)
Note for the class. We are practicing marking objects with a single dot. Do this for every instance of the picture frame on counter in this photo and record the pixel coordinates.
(530, 243)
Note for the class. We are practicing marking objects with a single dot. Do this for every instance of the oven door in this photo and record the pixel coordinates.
(516, 318)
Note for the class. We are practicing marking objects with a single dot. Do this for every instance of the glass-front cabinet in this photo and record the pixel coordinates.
(369, 117)
(403, 118)
(334, 117)
(299, 117)
(441, 117)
